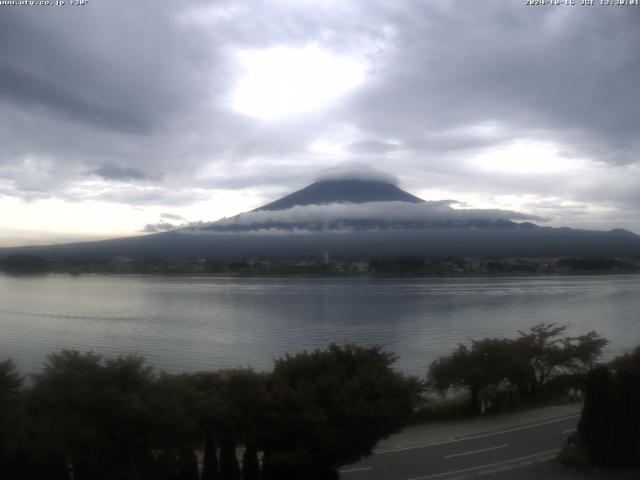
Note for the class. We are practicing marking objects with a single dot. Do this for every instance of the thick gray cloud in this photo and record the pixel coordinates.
(355, 171)
(371, 146)
(132, 195)
(117, 172)
(126, 90)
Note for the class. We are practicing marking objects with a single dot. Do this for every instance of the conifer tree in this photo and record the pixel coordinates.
(229, 468)
(250, 464)
(210, 459)
(188, 469)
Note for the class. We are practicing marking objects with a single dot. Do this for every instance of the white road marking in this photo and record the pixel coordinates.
(351, 470)
(480, 467)
(473, 437)
(475, 451)
(571, 430)
(497, 470)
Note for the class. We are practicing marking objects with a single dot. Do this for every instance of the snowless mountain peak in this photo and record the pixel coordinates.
(342, 191)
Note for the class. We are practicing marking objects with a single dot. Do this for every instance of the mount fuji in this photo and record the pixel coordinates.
(357, 217)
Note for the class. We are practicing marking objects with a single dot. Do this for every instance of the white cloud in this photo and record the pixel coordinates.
(282, 81)
(379, 211)
(524, 157)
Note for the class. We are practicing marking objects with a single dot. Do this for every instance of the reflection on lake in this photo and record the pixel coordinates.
(193, 323)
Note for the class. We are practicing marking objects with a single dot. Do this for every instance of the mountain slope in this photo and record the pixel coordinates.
(427, 242)
(356, 219)
(342, 191)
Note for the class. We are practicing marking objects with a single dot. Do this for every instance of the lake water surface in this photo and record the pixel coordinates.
(194, 323)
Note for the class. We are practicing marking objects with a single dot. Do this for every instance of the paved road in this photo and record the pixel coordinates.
(487, 455)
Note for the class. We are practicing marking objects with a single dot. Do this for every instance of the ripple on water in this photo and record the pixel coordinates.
(203, 322)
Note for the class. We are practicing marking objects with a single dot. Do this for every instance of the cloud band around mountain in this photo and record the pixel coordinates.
(392, 213)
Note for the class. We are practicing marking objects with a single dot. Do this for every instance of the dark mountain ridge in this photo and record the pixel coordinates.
(364, 238)
(426, 243)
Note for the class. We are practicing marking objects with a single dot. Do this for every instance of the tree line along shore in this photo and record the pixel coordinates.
(87, 417)
(323, 265)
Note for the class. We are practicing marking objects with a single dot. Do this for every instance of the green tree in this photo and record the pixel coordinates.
(330, 407)
(542, 353)
(250, 464)
(93, 413)
(229, 467)
(174, 433)
(12, 428)
(528, 362)
(595, 426)
(481, 365)
(232, 409)
(10, 382)
(210, 458)
(610, 423)
(188, 465)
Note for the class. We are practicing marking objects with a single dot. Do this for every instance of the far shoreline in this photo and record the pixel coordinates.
(370, 276)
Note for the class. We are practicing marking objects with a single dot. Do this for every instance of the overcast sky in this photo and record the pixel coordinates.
(120, 114)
